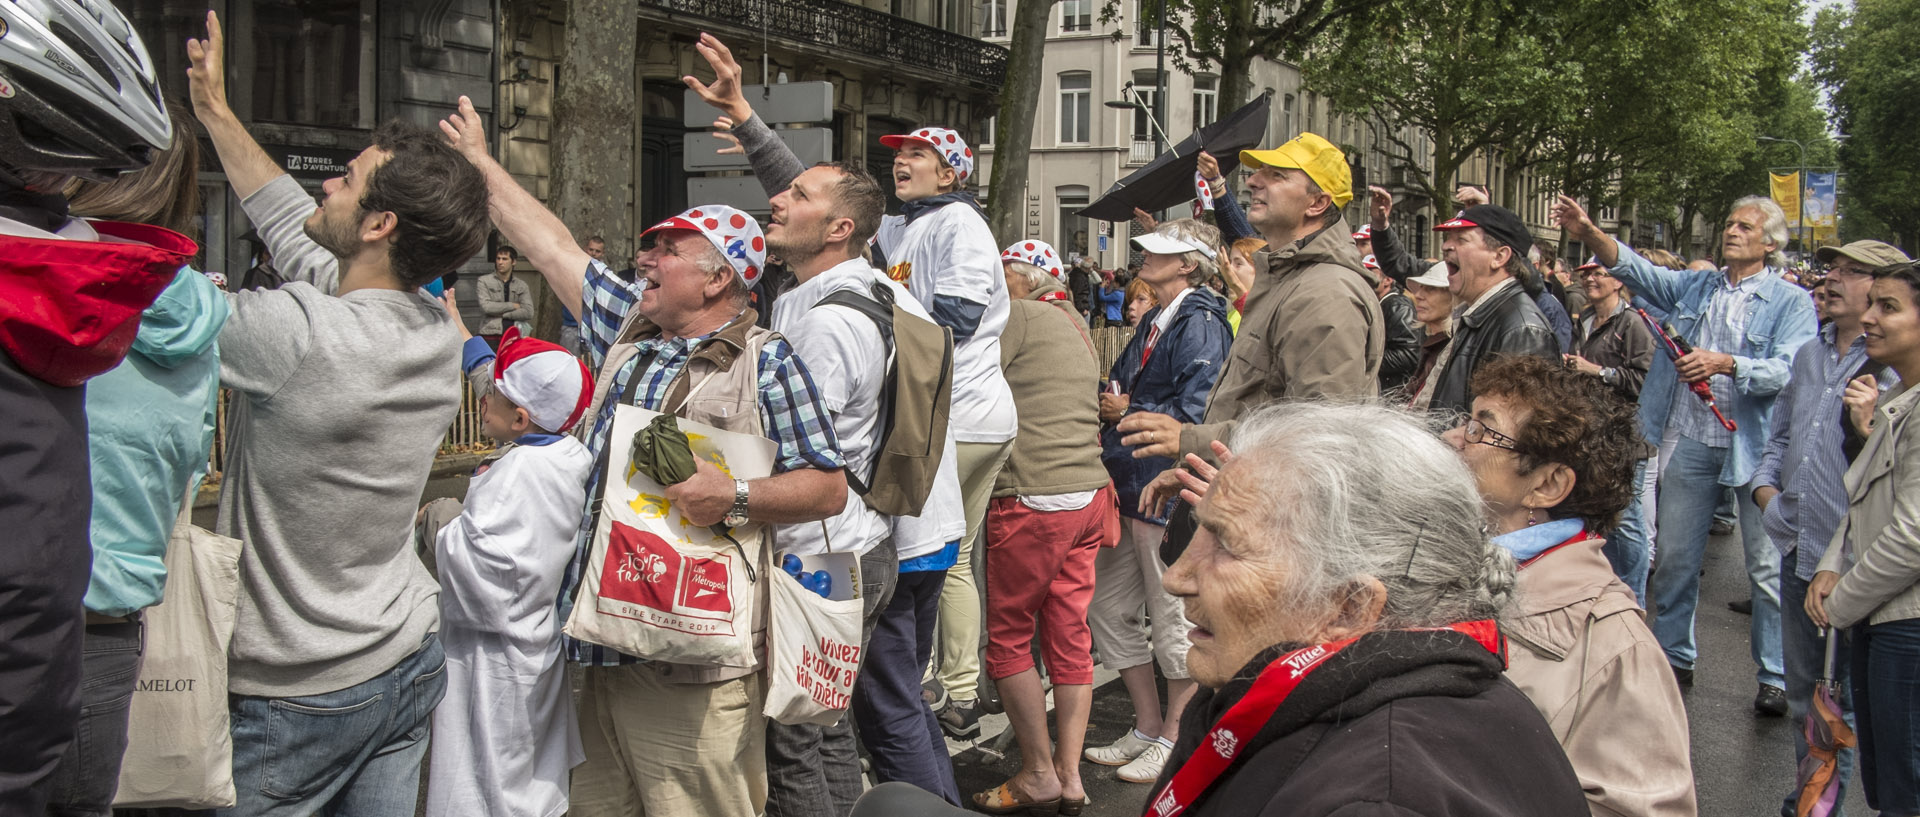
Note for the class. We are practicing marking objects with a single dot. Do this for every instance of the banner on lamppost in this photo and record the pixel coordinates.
(1785, 188)
(1821, 201)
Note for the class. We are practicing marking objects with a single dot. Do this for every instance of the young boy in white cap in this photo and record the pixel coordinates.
(505, 736)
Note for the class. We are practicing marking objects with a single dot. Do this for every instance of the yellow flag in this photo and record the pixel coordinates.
(1786, 193)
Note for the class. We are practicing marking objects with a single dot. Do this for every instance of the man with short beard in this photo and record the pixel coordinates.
(820, 226)
(943, 253)
(344, 382)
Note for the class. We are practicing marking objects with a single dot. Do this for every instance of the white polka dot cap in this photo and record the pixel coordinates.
(946, 142)
(734, 233)
(1036, 252)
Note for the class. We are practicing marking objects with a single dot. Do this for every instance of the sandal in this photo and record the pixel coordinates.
(1071, 806)
(1001, 800)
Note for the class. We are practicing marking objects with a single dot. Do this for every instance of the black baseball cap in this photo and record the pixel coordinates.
(1499, 222)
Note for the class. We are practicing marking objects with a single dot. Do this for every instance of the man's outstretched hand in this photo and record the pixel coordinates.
(1379, 207)
(206, 71)
(723, 129)
(466, 133)
(724, 93)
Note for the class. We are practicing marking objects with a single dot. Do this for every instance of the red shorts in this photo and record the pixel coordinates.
(1040, 565)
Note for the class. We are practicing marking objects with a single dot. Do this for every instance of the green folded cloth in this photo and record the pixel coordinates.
(661, 452)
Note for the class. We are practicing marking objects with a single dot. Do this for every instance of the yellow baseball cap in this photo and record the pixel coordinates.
(1325, 164)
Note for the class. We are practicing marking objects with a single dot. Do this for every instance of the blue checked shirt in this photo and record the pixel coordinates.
(1804, 460)
(790, 409)
(1722, 329)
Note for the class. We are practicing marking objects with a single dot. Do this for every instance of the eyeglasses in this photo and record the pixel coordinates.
(1848, 272)
(1482, 434)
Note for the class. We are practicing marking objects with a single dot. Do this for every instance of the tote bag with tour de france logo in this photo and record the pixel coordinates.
(660, 587)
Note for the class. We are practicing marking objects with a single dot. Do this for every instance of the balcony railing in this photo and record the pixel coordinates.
(1142, 151)
(847, 31)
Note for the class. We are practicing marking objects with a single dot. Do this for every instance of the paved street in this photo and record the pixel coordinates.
(1743, 763)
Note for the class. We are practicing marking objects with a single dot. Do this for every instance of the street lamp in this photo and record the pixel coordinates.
(1131, 102)
(1800, 182)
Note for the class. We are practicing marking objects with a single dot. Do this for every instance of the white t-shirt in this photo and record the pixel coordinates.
(848, 360)
(949, 259)
(1164, 321)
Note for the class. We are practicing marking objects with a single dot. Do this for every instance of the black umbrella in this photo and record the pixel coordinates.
(1168, 179)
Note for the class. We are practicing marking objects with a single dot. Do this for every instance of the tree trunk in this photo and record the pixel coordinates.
(1446, 164)
(1236, 64)
(1013, 133)
(592, 163)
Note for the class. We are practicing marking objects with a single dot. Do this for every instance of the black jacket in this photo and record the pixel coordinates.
(1405, 731)
(1620, 342)
(1402, 357)
(1508, 324)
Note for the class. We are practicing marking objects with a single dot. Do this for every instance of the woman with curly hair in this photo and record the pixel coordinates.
(1553, 453)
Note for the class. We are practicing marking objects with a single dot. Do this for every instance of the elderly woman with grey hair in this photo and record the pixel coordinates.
(1343, 596)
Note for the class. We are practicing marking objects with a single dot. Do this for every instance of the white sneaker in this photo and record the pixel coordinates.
(1120, 752)
(1146, 768)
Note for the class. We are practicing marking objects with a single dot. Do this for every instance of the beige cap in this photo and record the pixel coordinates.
(1869, 252)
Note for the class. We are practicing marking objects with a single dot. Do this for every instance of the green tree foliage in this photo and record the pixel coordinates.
(1608, 101)
(1470, 74)
(1866, 58)
(1232, 34)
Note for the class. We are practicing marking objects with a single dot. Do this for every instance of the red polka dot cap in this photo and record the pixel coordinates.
(1036, 252)
(946, 142)
(734, 233)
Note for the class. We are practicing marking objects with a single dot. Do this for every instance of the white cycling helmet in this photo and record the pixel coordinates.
(77, 91)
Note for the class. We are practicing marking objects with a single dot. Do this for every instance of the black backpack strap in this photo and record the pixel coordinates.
(878, 309)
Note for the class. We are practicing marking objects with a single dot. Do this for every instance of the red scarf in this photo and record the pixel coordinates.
(1281, 677)
(69, 310)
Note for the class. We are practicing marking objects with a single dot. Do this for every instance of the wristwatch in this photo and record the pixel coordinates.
(737, 515)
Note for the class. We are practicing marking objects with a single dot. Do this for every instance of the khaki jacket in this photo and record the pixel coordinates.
(1877, 549)
(1581, 651)
(1311, 329)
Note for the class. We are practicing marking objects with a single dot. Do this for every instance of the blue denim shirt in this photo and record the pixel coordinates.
(1780, 320)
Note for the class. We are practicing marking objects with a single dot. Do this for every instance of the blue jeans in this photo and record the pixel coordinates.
(1805, 648)
(1689, 490)
(1886, 697)
(900, 732)
(1627, 548)
(89, 773)
(355, 751)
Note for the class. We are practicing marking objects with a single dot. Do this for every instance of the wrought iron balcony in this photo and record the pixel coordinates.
(856, 34)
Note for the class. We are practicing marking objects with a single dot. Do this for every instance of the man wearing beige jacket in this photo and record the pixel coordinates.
(1869, 579)
(1311, 327)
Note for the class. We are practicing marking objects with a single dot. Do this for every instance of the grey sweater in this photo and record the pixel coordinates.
(340, 404)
